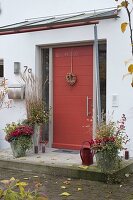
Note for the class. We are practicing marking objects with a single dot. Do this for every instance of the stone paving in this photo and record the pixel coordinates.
(51, 156)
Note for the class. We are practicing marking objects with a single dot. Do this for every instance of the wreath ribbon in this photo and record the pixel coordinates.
(71, 78)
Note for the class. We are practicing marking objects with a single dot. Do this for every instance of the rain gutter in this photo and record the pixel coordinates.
(45, 27)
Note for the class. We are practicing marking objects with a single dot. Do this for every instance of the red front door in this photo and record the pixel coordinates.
(72, 105)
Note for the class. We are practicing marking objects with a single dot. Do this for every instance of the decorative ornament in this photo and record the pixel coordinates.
(71, 78)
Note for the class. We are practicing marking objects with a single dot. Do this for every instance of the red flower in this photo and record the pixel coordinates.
(19, 131)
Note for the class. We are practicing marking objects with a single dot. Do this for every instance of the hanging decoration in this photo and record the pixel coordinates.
(71, 78)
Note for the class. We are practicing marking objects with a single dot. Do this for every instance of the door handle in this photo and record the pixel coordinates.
(88, 106)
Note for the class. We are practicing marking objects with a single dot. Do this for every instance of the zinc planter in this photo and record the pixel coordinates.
(36, 137)
(107, 162)
(17, 150)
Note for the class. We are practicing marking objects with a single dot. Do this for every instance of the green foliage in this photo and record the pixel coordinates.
(107, 161)
(24, 142)
(37, 112)
(19, 136)
(15, 190)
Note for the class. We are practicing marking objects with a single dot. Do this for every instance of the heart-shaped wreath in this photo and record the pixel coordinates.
(71, 78)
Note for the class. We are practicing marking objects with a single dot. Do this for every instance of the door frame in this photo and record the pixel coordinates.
(51, 47)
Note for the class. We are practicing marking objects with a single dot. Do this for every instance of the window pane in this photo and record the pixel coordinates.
(1, 68)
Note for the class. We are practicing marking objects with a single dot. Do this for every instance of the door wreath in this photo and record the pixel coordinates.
(71, 78)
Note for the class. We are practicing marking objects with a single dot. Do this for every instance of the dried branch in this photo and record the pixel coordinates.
(35, 106)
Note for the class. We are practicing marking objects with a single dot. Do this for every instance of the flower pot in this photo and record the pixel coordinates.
(43, 148)
(17, 150)
(36, 137)
(107, 162)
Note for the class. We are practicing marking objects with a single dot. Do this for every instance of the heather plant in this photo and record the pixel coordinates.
(15, 131)
(109, 141)
(110, 136)
(19, 137)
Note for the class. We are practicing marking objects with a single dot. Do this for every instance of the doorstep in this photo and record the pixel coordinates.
(62, 163)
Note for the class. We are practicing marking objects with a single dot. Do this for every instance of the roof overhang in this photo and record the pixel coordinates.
(57, 22)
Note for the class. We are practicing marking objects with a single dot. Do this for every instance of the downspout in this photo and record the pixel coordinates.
(97, 117)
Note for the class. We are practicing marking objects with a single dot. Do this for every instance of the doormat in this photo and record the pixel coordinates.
(66, 151)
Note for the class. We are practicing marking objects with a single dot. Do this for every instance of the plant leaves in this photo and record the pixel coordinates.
(124, 26)
(11, 195)
(1, 192)
(127, 175)
(65, 194)
(83, 167)
(63, 187)
(5, 181)
(12, 179)
(79, 189)
(26, 178)
(67, 182)
(124, 4)
(23, 184)
(130, 68)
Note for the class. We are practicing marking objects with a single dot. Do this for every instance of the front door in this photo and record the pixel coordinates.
(72, 104)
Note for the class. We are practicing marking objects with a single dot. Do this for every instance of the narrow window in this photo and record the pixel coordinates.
(102, 70)
(1, 68)
(45, 88)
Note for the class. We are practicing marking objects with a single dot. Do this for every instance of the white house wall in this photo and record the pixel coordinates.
(22, 47)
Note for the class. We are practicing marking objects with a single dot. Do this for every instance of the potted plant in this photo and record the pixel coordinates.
(38, 116)
(37, 111)
(110, 140)
(19, 137)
